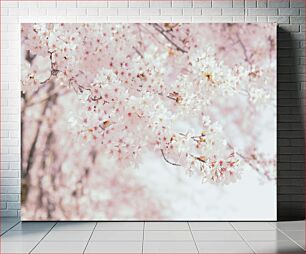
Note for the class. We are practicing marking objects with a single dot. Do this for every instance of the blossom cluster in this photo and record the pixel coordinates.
(120, 91)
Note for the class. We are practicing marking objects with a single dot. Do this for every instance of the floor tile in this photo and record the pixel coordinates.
(276, 247)
(274, 235)
(114, 247)
(169, 247)
(23, 236)
(124, 236)
(223, 247)
(7, 225)
(33, 226)
(69, 236)
(63, 226)
(167, 236)
(60, 247)
(295, 234)
(17, 247)
(210, 226)
(301, 243)
(9, 219)
(216, 236)
(291, 225)
(175, 225)
(119, 226)
(252, 226)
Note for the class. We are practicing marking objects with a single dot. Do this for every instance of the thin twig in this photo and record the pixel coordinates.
(163, 33)
(138, 52)
(243, 48)
(172, 163)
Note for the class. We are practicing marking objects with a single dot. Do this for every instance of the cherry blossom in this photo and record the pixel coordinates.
(97, 97)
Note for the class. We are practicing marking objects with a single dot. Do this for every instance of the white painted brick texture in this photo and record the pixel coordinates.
(290, 14)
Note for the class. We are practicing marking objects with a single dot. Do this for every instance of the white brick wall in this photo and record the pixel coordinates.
(289, 13)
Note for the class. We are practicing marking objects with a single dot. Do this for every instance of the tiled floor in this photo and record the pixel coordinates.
(152, 237)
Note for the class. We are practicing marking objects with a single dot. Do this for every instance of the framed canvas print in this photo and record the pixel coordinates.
(148, 121)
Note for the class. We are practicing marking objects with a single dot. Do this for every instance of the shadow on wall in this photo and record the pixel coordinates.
(290, 129)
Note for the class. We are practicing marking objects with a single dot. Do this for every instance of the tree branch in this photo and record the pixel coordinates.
(163, 33)
(172, 163)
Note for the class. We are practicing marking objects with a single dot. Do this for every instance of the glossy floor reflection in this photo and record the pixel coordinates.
(152, 237)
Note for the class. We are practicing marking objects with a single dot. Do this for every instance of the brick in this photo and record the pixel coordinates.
(139, 3)
(279, 19)
(76, 11)
(9, 4)
(9, 213)
(47, 4)
(291, 150)
(13, 205)
(18, 12)
(38, 12)
(160, 4)
(108, 11)
(92, 19)
(233, 12)
(202, 19)
(10, 189)
(4, 165)
(9, 141)
(4, 11)
(15, 165)
(92, 11)
(222, 3)
(128, 12)
(290, 182)
(192, 12)
(297, 3)
(92, 4)
(238, 3)
(288, 11)
(239, 19)
(9, 181)
(182, 3)
(159, 19)
(250, 19)
(57, 12)
(172, 11)
(182, 19)
(290, 198)
(9, 197)
(262, 12)
(262, 3)
(202, 3)
(297, 19)
(297, 142)
(250, 3)
(118, 4)
(290, 174)
(262, 19)
(278, 3)
(117, 19)
(222, 19)
(211, 11)
(138, 19)
(288, 28)
(150, 12)
(9, 173)
(66, 4)
(3, 205)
